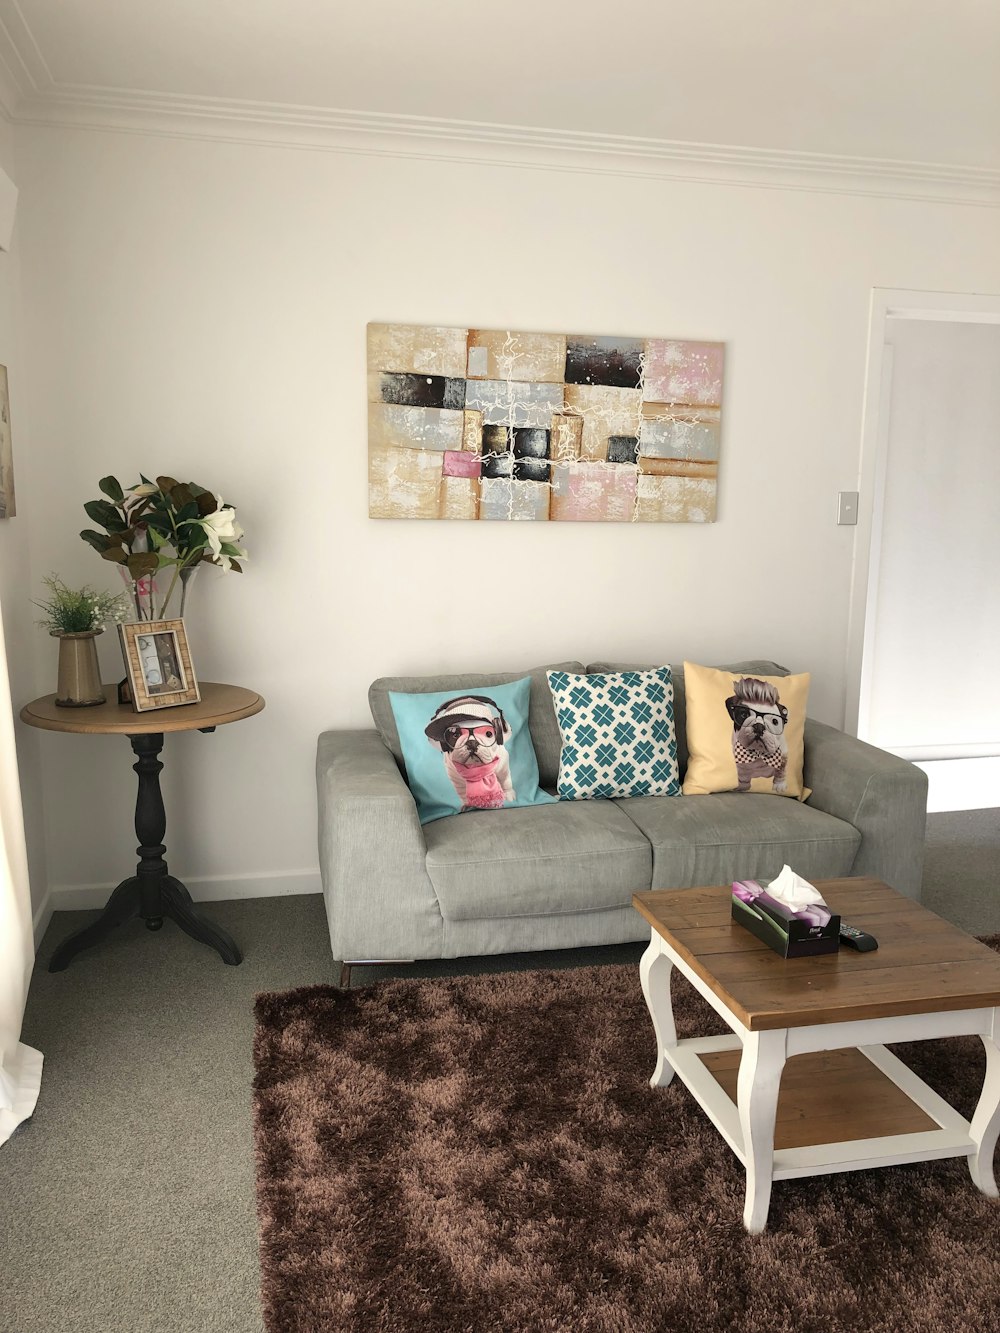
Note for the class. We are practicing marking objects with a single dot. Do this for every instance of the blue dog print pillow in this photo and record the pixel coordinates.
(466, 752)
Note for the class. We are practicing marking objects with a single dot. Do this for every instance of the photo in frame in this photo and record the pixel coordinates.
(158, 664)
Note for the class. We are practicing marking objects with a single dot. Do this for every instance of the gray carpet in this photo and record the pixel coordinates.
(127, 1201)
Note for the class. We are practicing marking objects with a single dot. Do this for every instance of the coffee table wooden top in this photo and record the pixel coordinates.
(923, 964)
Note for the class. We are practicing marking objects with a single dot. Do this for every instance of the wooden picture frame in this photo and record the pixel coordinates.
(158, 664)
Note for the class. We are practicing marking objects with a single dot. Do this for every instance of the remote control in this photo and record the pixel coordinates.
(857, 939)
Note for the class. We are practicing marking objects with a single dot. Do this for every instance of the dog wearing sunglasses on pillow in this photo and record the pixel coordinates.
(470, 732)
(759, 745)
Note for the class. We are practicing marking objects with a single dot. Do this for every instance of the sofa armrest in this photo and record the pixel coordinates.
(883, 796)
(380, 903)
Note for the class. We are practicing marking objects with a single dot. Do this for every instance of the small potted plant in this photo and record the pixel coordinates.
(75, 616)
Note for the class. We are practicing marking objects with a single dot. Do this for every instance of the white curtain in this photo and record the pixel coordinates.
(20, 1065)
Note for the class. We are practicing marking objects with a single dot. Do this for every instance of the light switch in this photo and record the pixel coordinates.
(847, 507)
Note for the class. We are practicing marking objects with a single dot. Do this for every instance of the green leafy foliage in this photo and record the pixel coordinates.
(142, 564)
(79, 610)
(107, 514)
(98, 540)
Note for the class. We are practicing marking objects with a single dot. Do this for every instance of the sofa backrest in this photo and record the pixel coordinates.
(541, 714)
(753, 667)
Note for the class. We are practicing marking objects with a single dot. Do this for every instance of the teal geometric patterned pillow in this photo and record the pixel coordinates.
(618, 736)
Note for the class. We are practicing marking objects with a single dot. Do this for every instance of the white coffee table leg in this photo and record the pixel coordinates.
(985, 1126)
(757, 1100)
(654, 973)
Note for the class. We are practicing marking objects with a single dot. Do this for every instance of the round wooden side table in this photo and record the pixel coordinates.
(152, 892)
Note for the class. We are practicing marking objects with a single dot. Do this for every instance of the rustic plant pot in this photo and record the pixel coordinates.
(79, 683)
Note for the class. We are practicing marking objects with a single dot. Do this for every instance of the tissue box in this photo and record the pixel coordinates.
(780, 927)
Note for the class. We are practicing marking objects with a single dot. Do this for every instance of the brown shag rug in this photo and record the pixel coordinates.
(484, 1154)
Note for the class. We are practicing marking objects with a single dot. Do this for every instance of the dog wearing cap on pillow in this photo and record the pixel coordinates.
(759, 745)
(470, 732)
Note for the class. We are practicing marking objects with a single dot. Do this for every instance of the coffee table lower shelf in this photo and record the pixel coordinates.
(841, 1110)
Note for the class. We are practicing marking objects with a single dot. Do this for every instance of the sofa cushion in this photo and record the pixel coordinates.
(740, 835)
(753, 666)
(552, 859)
(541, 715)
(468, 752)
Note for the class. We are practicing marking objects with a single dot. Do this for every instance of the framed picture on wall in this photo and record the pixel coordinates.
(158, 664)
(508, 425)
(7, 508)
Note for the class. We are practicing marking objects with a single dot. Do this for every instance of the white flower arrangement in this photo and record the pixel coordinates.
(163, 524)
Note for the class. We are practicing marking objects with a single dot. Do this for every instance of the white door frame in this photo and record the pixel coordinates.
(887, 303)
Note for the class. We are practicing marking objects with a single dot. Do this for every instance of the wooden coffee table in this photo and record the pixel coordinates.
(842, 1102)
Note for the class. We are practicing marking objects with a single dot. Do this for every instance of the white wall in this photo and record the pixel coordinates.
(15, 579)
(200, 307)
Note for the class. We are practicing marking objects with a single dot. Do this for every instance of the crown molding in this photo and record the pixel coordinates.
(266, 124)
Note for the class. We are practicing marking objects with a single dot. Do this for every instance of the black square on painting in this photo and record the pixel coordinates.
(531, 442)
(531, 469)
(611, 361)
(422, 390)
(623, 448)
(497, 465)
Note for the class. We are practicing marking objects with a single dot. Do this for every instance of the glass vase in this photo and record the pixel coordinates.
(144, 593)
(187, 578)
(140, 594)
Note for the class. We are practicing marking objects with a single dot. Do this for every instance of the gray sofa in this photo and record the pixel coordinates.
(555, 876)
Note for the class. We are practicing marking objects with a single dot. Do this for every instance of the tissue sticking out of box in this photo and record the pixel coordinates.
(803, 898)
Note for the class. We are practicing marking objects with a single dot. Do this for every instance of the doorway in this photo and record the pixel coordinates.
(924, 641)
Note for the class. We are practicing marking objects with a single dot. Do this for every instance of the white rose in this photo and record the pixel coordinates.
(222, 527)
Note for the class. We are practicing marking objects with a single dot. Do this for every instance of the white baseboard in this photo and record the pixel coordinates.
(42, 917)
(209, 889)
(962, 784)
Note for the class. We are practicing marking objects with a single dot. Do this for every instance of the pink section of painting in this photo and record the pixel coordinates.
(683, 372)
(460, 463)
(593, 493)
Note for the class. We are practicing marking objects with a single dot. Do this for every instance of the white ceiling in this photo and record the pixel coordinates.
(904, 80)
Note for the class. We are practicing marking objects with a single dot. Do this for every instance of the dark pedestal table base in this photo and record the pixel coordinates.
(126, 902)
(151, 892)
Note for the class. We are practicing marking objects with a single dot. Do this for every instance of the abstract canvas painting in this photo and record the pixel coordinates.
(494, 424)
(7, 508)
